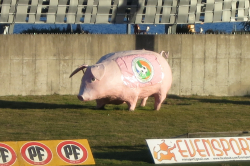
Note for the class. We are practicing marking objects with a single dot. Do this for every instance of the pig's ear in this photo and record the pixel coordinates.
(166, 54)
(98, 71)
(78, 69)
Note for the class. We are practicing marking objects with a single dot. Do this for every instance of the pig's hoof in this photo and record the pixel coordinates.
(131, 109)
(157, 109)
(142, 105)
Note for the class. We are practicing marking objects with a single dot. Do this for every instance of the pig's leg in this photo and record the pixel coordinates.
(159, 98)
(143, 101)
(131, 106)
(132, 102)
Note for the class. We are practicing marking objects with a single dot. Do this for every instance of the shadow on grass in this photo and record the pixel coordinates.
(128, 153)
(35, 105)
(212, 100)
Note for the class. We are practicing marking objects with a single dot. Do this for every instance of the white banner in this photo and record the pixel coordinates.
(166, 151)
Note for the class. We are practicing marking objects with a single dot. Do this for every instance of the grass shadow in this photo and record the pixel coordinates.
(209, 99)
(222, 101)
(139, 153)
(36, 105)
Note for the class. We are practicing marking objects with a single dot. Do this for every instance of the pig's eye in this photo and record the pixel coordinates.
(93, 79)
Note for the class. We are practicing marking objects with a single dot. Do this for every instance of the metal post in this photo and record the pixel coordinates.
(11, 28)
(173, 28)
(128, 28)
(170, 29)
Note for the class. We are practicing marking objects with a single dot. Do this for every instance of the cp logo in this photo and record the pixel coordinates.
(36, 153)
(72, 152)
(7, 155)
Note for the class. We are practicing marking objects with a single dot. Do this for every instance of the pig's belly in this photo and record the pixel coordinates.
(149, 91)
(110, 100)
(116, 102)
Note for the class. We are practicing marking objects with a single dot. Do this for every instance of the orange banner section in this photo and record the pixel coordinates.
(49, 153)
(199, 149)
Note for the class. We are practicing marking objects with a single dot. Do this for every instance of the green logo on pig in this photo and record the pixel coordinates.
(143, 69)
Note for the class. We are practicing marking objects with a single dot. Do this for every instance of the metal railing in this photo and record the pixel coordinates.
(123, 11)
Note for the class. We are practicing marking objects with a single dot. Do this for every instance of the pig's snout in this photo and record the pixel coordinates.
(80, 97)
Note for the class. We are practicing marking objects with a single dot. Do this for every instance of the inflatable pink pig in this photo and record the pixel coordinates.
(126, 77)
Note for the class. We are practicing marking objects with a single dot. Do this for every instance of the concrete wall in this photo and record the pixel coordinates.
(201, 64)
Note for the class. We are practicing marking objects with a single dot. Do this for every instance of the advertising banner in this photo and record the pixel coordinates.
(187, 150)
(8, 155)
(49, 153)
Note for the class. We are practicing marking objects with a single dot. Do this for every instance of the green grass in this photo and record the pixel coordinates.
(117, 136)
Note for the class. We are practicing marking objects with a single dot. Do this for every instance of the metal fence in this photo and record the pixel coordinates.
(123, 11)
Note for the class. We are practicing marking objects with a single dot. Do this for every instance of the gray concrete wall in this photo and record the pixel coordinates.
(201, 64)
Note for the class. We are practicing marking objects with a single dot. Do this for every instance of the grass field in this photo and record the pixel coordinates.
(117, 136)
